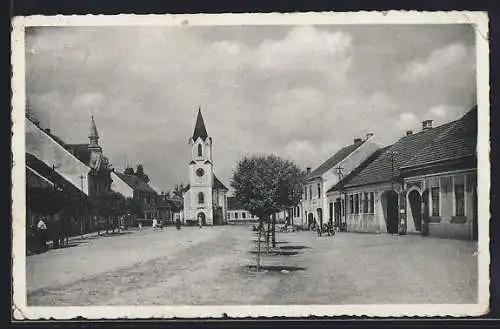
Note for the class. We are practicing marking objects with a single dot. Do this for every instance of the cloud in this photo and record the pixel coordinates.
(298, 91)
(440, 60)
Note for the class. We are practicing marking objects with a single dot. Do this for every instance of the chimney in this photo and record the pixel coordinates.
(426, 125)
(47, 130)
(308, 170)
(357, 140)
(369, 135)
(409, 132)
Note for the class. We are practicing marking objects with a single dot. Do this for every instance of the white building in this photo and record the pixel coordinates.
(205, 198)
(314, 206)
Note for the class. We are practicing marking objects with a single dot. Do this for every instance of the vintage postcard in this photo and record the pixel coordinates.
(251, 165)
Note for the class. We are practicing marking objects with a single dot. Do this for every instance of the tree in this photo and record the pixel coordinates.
(129, 171)
(264, 185)
(109, 204)
(179, 190)
(139, 172)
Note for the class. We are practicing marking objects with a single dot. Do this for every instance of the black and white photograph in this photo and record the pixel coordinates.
(251, 165)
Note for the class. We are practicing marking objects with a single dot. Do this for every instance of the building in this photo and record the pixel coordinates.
(440, 183)
(314, 206)
(205, 197)
(145, 194)
(74, 176)
(169, 208)
(237, 215)
(425, 183)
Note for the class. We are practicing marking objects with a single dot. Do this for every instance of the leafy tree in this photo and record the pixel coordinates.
(109, 204)
(264, 185)
(129, 171)
(139, 172)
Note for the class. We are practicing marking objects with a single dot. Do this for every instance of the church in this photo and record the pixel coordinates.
(206, 197)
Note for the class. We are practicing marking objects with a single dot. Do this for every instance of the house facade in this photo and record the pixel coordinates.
(143, 193)
(314, 206)
(205, 199)
(425, 183)
(236, 214)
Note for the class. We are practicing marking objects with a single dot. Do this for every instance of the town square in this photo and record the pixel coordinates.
(220, 164)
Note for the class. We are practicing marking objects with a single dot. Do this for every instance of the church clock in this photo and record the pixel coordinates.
(200, 172)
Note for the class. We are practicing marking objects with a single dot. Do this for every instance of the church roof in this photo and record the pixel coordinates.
(218, 184)
(199, 128)
(93, 129)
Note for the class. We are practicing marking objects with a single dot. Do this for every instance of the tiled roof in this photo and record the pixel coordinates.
(35, 180)
(218, 184)
(136, 183)
(383, 168)
(199, 128)
(358, 169)
(334, 160)
(41, 168)
(233, 204)
(458, 142)
(81, 151)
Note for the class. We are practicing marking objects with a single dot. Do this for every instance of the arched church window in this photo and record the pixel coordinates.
(200, 151)
(201, 198)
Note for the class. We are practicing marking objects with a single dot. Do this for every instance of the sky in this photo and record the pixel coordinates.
(301, 92)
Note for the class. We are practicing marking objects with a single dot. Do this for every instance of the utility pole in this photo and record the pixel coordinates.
(340, 174)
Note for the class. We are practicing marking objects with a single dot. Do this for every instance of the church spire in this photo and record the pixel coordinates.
(199, 128)
(93, 135)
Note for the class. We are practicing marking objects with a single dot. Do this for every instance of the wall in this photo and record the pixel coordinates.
(447, 225)
(366, 223)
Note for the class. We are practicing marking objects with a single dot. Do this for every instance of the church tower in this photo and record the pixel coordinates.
(94, 138)
(200, 174)
(204, 194)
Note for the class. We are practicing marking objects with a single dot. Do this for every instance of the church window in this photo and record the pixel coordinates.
(201, 198)
(200, 151)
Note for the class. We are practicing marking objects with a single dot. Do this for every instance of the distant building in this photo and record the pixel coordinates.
(205, 198)
(426, 183)
(315, 206)
(145, 194)
(237, 215)
(169, 208)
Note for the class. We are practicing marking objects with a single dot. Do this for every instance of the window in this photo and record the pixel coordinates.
(319, 189)
(365, 203)
(200, 151)
(356, 203)
(435, 201)
(459, 199)
(305, 193)
(235, 215)
(228, 215)
(243, 215)
(201, 198)
(371, 203)
(310, 192)
(351, 204)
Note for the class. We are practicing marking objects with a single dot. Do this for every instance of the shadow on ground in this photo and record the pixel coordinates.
(276, 253)
(294, 247)
(274, 268)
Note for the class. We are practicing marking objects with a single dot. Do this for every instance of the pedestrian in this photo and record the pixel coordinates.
(199, 221)
(178, 223)
(140, 226)
(42, 233)
(155, 224)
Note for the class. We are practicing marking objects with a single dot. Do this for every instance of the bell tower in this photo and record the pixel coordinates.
(198, 201)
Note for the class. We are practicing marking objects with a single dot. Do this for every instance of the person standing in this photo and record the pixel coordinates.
(199, 221)
(42, 233)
